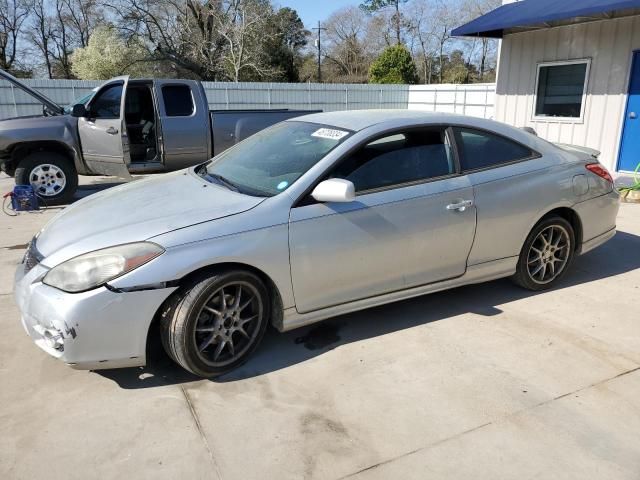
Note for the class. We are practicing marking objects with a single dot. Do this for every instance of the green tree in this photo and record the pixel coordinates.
(396, 19)
(394, 65)
(457, 70)
(108, 55)
(285, 37)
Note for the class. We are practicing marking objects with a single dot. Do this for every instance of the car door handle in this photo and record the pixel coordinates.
(633, 115)
(112, 131)
(460, 206)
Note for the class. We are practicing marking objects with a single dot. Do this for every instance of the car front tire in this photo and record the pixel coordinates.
(215, 322)
(546, 255)
(52, 176)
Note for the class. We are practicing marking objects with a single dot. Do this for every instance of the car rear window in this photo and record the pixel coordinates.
(479, 149)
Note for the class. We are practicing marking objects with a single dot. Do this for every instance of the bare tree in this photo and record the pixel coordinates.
(422, 31)
(444, 21)
(180, 32)
(476, 8)
(63, 44)
(243, 28)
(81, 17)
(13, 14)
(344, 47)
(373, 6)
(42, 33)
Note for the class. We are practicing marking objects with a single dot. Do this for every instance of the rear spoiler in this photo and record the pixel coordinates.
(576, 149)
(569, 148)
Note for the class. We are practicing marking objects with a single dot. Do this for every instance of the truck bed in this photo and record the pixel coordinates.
(232, 126)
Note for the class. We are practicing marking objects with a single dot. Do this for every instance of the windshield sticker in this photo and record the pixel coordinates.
(329, 133)
(282, 185)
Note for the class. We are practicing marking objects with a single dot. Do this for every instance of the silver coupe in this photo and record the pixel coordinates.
(311, 218)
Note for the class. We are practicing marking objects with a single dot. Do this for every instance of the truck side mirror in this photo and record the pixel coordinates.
(79, 110)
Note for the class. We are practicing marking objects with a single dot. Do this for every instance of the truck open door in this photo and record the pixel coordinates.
(103, 132)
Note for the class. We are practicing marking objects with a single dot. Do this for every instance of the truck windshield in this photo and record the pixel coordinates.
(83, 100)
(270, 161)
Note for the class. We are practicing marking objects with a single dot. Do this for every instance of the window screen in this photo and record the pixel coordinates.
(479, 149)
(397, 159)
(178, 101)
(560, 89)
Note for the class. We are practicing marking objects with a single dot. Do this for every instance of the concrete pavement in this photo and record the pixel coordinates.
(482, 382)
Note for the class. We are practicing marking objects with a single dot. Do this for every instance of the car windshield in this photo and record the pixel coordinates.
(83, 100)
(270, 161)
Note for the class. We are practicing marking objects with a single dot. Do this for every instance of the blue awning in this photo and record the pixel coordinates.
(529, 14)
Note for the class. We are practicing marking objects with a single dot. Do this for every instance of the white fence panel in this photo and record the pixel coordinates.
(476, 99)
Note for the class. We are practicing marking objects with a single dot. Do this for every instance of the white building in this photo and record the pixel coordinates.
(570, 70)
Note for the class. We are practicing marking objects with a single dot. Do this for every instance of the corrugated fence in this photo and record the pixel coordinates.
(476, 100)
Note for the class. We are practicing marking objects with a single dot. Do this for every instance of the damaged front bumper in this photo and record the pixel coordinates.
(90, 330)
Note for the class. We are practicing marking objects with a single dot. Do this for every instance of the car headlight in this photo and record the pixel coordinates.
(96, 268)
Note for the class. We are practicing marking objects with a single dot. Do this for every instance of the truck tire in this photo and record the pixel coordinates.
(52, 175)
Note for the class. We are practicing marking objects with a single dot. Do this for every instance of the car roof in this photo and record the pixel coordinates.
(356, 120)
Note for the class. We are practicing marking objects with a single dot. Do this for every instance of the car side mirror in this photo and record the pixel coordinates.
(79, 110)
(334, 190)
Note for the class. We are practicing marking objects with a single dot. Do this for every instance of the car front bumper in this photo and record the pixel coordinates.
(97, 329)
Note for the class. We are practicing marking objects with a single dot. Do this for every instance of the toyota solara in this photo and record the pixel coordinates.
(314, 217)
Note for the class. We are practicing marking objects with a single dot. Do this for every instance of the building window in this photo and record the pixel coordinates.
(561, 87)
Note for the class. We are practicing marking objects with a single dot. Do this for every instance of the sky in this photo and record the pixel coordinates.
(311, 11)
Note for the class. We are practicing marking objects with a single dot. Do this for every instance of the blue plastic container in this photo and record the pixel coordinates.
(24, 198)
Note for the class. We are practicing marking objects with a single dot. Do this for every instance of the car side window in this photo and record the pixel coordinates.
(178, 101)
(397, 159)
(479, 149)
(106, 103)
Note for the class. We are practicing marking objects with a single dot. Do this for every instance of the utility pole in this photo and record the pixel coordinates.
(319, 28)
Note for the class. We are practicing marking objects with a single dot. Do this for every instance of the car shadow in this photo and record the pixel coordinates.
(282, 350)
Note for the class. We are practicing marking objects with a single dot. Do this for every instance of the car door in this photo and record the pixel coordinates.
(184, 120)
(103, 133)
(513, 186)
(412, 223)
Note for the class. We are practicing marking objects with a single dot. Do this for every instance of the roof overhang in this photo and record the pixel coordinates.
(538, 14)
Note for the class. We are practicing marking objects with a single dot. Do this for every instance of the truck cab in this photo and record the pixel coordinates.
(125, 126)
(138, 126)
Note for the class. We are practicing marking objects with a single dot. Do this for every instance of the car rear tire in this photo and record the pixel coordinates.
(215, 322)
(52, 176)
(546, 255)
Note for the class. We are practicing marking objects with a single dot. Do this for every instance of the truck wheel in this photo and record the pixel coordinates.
(52, 176)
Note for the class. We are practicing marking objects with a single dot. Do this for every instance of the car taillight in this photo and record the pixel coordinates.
(600, 171)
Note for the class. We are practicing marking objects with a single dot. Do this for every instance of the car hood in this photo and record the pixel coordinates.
(52, 106)
(137, 211)
(27, 127)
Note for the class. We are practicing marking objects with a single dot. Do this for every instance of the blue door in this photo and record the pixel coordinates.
(630, 146)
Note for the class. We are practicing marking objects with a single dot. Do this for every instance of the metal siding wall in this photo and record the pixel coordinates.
(327, 97)
(609, 44)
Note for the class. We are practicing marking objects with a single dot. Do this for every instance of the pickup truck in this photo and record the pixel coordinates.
(124, 126)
